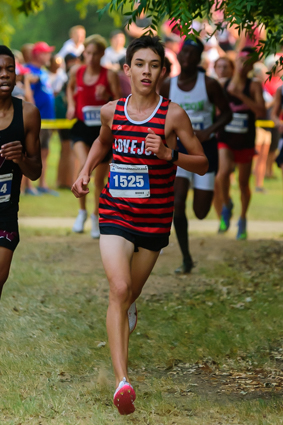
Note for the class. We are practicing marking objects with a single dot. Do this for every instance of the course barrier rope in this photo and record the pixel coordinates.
(62, 124)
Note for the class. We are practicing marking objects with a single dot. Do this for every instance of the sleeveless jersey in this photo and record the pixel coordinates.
(195, 102)
(10, 173)
(201, 113)
(146, 216)
(240, 132)
(86, 94)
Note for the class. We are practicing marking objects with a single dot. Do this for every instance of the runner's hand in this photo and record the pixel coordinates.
(80, 188)
(12, 151)
(202, 135)
(154, 144)
(70, 112)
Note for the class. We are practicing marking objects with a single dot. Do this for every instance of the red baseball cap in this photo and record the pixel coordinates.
(42, 47)
(21, 70)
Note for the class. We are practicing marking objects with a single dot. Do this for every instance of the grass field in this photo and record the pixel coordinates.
(267, 206)
(207, 349)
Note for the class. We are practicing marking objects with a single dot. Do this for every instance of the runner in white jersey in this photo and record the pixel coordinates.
(198, 95)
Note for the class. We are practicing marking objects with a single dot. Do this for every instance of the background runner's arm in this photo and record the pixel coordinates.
(196, 160)
(276, 109)
(70, 94)
(114, 83)
(178, 124)
(98, 151)
(218, 98)
(30, 161)
(256, 104)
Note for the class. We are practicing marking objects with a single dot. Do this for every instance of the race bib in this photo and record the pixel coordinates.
(91, 115)
(5, 187)
(239, 124)
(197, 122)
(129, 181)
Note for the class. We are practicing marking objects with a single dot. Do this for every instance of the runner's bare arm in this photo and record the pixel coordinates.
(178, 125)
(256, 104)
(114, 83)
(276, 109)
(98, 151)
(217, 97)
(30, 161)
(70, 93)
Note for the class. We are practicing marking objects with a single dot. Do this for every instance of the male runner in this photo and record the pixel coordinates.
(136, 206)
(90, 86)
(198, 95)
(19, 154)
(237, 140)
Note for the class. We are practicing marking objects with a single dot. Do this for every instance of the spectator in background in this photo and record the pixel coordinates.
(172, 47)
(224, 69)
(75, 44)
(115, 52)
(57, 74)
(26, 51)
(66, 165)
(44, 100)
(138, 28)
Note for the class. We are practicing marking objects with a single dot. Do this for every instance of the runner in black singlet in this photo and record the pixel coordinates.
(19, 155)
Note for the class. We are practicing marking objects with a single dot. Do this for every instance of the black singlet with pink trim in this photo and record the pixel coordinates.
(147, 216)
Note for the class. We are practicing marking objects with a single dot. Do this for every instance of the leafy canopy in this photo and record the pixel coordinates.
(243, 14)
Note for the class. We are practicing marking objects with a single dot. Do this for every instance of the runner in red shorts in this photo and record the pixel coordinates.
(237, 139)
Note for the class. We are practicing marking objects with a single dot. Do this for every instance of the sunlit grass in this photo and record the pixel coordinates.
(264, 206)
(54, 370)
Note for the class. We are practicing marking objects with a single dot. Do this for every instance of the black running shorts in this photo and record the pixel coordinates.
(152, 243)
(9, 234)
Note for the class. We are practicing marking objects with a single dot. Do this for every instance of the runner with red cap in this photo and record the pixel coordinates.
(44, 100)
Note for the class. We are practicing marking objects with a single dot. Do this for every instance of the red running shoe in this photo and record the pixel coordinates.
(124, 398)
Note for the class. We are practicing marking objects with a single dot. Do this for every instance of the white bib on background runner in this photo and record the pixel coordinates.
(5, 187)
(195, 102)
(91, 115)
(239, 123)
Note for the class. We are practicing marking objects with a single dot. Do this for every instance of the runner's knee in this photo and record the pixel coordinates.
(3, 277)
(120, 293)
(201, 211)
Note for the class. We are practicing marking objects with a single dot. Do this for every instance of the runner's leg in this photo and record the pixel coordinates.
(244, 177)
(223, 176)
(122, 265)
(181, 188)
(116, 254)
(81, 151)
(6, 256)
(202, 202)
(142, 264)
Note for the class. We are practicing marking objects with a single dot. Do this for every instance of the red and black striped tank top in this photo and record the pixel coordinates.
(151, 216)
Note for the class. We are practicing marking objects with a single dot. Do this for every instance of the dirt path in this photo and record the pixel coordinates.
(256, 229)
